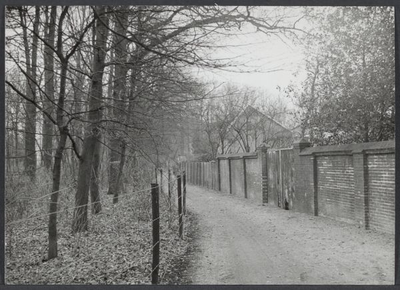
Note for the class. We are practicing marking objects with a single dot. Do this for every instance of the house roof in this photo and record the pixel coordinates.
(252, 111)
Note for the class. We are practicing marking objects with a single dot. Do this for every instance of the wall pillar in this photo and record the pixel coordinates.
(361, 198)
(230, 175)
(262, 159)
(202, 174)
(218, 174)
(189, 172)
(212, 167)
(193, 171)
(197, 173)
(315, 183)
(244, 177)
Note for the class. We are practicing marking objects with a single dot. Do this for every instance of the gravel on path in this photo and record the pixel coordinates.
(240, 241)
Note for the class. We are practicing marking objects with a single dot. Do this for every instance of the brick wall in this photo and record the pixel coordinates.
(354, 183)
(243, 173)
(381, 193)
(336, 187)
(237, 174)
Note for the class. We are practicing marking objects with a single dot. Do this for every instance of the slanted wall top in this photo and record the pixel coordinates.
(351, 148)
(238, 155)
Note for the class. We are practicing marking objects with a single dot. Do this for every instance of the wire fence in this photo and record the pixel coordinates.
(117, 249)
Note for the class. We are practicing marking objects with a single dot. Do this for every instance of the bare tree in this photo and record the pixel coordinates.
(31, 68)
(62, 118)
(50, 27)
(118, 98)
(92, 133)
(219, 114)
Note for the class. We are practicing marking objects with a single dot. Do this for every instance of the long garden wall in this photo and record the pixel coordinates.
(354, 183)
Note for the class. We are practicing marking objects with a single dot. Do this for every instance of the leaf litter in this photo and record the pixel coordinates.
(117, 249)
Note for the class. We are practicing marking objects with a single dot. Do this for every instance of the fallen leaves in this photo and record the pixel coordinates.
(116, 250)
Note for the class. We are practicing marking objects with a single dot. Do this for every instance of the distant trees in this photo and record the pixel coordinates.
(348, 93)
(238, 119)
(253, 128)
(216, 115)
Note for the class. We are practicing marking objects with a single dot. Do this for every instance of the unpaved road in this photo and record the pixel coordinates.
(242, 242)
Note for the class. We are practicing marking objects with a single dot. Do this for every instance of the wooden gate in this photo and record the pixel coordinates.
(280, 177)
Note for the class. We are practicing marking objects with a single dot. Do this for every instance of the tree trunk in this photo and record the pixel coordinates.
(63, 129)
(116, 144)
(94, 181)
(52, 253)
(49, 88)
(80, 221)
(366, 132)
(30, 120)
(62, 125)
(17, 153)
(114, 165)
(120, 173)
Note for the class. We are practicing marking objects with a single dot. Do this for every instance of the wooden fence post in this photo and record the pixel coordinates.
(180, 207)
(184, 192)
(156, 232)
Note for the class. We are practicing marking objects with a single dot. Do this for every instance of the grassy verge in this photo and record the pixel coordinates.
(180, 273)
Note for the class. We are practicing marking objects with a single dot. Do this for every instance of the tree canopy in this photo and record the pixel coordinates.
(348, 92)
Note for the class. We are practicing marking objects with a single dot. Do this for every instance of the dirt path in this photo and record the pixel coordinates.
(242, 242)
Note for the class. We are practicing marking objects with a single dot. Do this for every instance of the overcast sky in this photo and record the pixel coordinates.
(271, 60)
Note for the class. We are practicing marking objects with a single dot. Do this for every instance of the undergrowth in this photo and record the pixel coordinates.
(117, 249)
